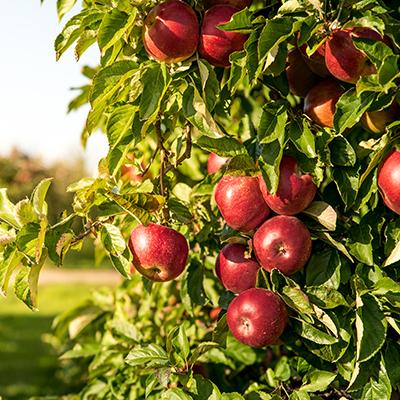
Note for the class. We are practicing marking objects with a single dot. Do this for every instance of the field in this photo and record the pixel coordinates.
(28, 366)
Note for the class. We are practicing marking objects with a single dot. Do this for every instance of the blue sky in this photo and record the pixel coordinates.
(35, 89)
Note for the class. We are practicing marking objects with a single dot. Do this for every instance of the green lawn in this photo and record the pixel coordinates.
(27, 364)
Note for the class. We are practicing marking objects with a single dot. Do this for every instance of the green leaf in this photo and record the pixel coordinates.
(350, 108)
(342, 153)
(318, 381)
(9, 261)
(309, 332)
(192, 291)
(112, 239)
(302, 138)
(347, 183)
(360, 243)
(38, 197)
(175, 394)
(371, 327)
(240, 22)
(64, 6)
(151, 355)
(378, 387)
(27, 239)
(155, 83)
(326, 297)
(209, 84)
(224, 146)
(324, 268)
(113, 27)
(120, 123)
(8, 212)
(323, 213)
(272, 124)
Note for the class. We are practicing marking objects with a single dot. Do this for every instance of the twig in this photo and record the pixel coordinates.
(152, 158)
(88, 231)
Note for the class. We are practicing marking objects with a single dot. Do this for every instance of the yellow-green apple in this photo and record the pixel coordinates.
(171, 32)
(300, 78)
(241, 203)
(389, 180)
(257, 317)
(283, 242)
(343, 60)
(236, 271)
(320, 102)
(217, 45)
(215, 163)
(159, 253)
(295, 190)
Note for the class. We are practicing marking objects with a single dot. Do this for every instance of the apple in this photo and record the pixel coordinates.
(214, 313)
(316, 62)
(239, 4)
(376, 121)
(241, 203)
(389, 180)
(283, 242)
(217, 45)
(171, 32)
(320, 102)
(300, 78)
(159, 253)
(236, 271)
(295, 190)
(129, 173)
(257, 317)
(215, 163)
(343, 60)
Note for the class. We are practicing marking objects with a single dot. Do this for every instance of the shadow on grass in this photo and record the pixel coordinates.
(28, 366)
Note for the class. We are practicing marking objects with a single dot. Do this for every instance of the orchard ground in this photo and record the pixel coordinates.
(28, 366)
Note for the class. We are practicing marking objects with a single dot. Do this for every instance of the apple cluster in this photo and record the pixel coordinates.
(257, 317)
(172, 33)
(322, 77)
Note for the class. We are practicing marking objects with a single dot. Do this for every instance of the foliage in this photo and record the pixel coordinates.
(342, 338)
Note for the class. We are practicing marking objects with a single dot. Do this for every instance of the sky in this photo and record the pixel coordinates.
(35, 89)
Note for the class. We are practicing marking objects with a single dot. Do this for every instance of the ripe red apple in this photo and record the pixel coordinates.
(159, 253)
(320, 102)
(389, 180)
(300, 78)
(239, 4)
(217, 45)
(236, 272)
(129, 173)
(215, 163)
(257, 317)
(241, 203)
(214, 313)
(171, 32)
(295, 190)
(343, 59)
(284, 243)
(316, 62)
(376, 121)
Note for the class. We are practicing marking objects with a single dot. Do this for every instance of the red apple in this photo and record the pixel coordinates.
(217, 45)
(159, 253)
(239, 4)
(316, 62)
(236, 271)
(376, 121)
(389, 180)
(129, 173)
(320, 102)
(214, 313)
(284, 243)
(343, 59)
(215, 163)
(241, 203)
(171, 32)
(295, 190)
(298, 74)
(257, 317)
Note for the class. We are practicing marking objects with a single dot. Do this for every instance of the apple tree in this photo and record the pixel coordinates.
(271, 272)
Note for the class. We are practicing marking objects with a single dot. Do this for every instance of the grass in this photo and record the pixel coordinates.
(27, 365)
